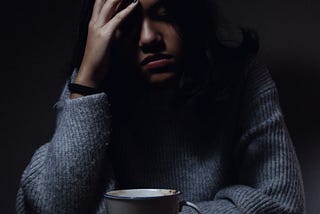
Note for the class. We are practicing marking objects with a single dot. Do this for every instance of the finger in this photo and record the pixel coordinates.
(96, 9)
(117, 19)
(107, 11)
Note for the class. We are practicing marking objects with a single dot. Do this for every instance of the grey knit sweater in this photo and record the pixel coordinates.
(237, 164)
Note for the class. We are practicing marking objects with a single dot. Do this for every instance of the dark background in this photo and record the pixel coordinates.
(36, 43)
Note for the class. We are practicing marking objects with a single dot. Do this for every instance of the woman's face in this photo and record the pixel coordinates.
(150, 41)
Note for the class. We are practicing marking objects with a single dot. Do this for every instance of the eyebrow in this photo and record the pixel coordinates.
(156, 6)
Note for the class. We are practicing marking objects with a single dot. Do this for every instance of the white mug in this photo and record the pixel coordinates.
(146, 201)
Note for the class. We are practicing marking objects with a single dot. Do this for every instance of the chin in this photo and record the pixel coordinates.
(162, 78)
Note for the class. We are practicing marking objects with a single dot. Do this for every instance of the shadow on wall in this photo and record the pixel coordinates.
(299, 88)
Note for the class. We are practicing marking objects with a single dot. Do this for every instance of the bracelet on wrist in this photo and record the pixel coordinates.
(82, 89)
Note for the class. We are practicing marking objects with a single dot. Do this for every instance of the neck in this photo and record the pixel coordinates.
(160, 98)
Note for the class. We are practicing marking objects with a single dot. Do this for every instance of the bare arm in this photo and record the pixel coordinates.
(101, 31)
(71, 172)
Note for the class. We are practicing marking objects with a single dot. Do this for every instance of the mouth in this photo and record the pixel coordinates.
(156, 61)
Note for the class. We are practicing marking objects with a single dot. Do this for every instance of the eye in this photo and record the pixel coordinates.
(130, 24)
(162, 14)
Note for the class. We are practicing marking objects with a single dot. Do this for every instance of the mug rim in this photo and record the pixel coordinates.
(108, 196)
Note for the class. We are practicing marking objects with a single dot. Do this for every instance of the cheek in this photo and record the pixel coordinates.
(126, 51)
(130, 57)
(124, 58)
(173, 38)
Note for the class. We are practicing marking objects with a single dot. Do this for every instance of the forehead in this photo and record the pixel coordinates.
(147, 4)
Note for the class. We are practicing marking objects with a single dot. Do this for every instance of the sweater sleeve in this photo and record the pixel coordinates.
(269, 178)
(71, 172)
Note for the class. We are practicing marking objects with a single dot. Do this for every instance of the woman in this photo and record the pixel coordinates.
(191, 109)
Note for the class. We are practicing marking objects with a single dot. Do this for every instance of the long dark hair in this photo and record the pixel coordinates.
(218, 64)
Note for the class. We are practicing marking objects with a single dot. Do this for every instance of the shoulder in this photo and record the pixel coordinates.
(235, 40)
(232, 52)
(232, 36)
(237, 59)
(258, 80)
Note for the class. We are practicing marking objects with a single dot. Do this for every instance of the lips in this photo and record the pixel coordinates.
(156, 61)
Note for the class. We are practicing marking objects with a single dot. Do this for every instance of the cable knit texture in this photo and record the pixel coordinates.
(254, 170)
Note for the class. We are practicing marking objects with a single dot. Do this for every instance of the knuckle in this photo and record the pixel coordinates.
(91, 25)
(104, 34)
(92, 28)
(100, 34)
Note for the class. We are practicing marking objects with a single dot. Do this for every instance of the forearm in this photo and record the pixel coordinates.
(69, 174)
(268, 177)
(240, 199)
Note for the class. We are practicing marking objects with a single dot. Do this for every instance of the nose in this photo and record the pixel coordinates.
(150, 37)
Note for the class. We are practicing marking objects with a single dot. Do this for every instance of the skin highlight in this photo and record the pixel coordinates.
(144, 36)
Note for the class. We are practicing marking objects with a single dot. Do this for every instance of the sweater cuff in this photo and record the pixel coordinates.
(87, 118)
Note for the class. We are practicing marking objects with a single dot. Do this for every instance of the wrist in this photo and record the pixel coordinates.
(89, 77)
(75, 95)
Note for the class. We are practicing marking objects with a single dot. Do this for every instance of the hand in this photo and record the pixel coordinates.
(102, 27)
